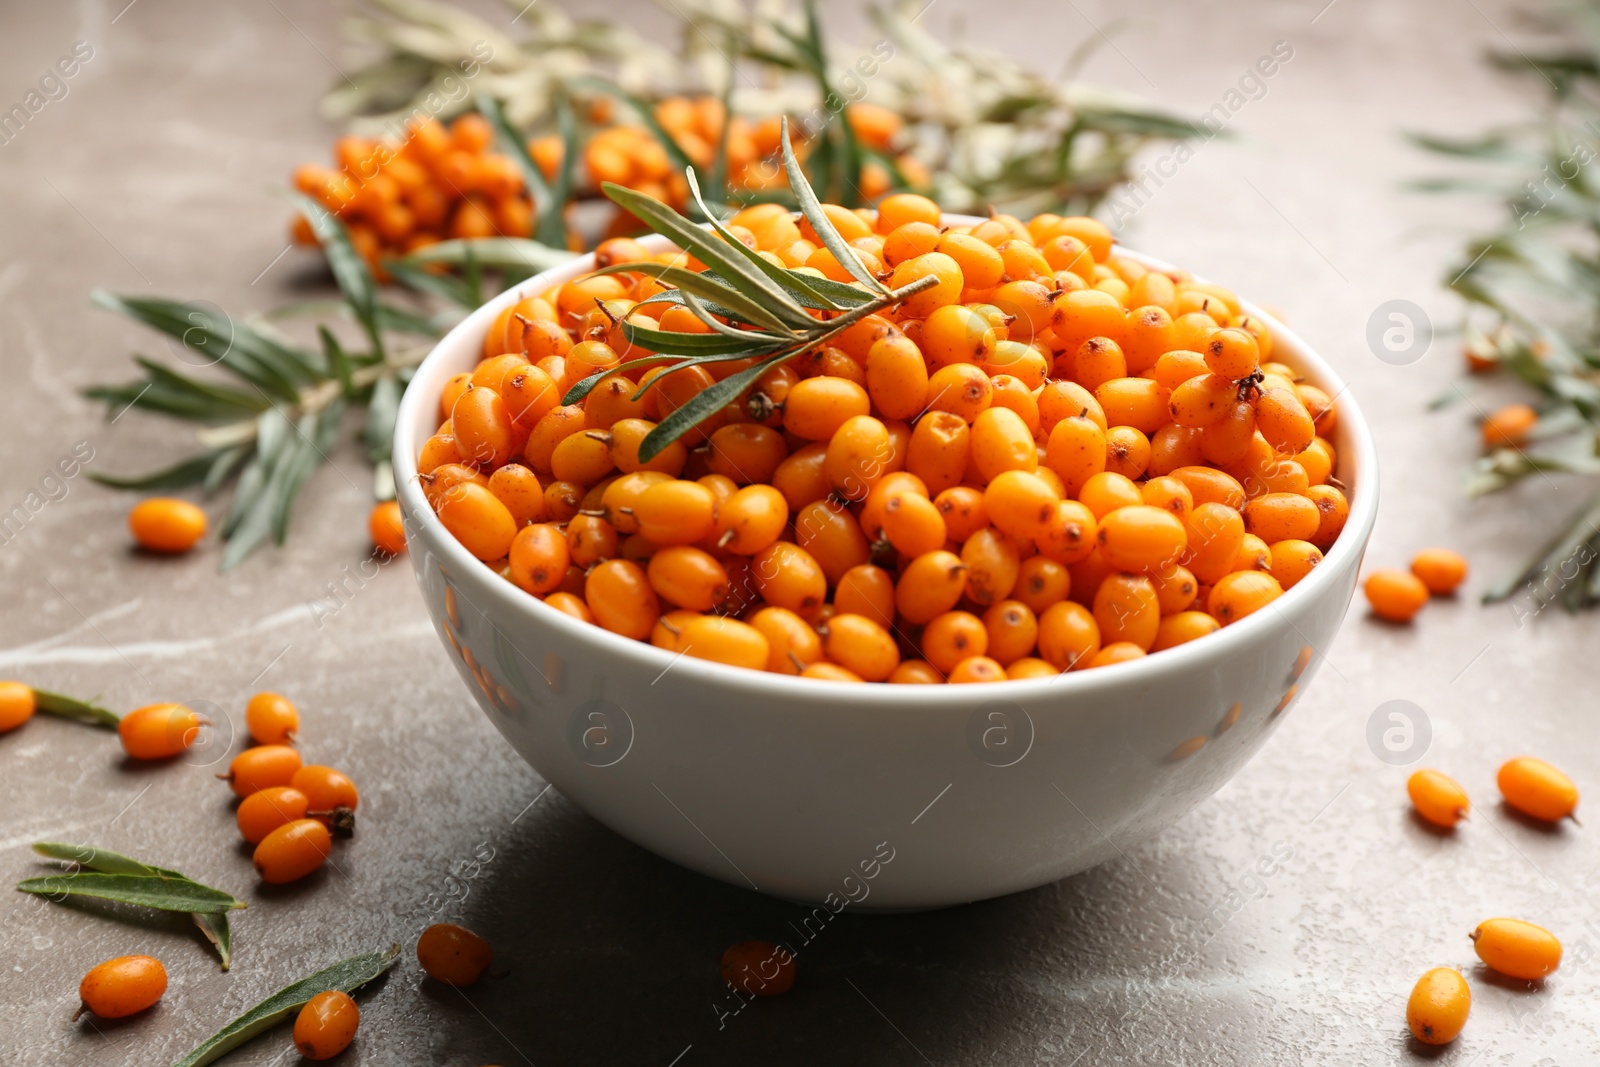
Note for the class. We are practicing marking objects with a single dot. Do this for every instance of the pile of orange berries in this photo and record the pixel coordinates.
(1053, 458)
(395, 197)
(1439, 1004)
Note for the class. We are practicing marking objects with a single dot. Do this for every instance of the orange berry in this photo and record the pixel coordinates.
(327, 1023)
(861, 646)
(1183, 627)
(162, 524)
(539, 557)
(1509, 426)
(1242, 593)
(261, 767)
(1395, 595)
(158, 731)
(1068, 635)
(930, 585)
(1013, 631)
(830, 672)
(688, 577)
(619, 594)
(325, 789)
(758, 968)
(453, 954)
(1437, 797)
(17, 705)
(790, 577)
(817, 407)
(1293, 560)
(1440, 569)
(1277, 517)
(292, 851)
(265, 810)
(271, 719)
(916, 672)
(1117, 652)
(387, 529)
(1140, 537)
(976, 669)
(1537, 789)
(1517, 948)
(792, 644)
(477, 518)
(992, 561)
(123, 986)
(1437, 1009)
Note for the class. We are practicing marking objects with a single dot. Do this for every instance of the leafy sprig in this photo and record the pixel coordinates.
(106, 875)
(755, 310)
(1531, 288)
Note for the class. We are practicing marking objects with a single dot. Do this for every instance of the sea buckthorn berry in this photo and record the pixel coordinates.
(992, 560)
(982, 266)
(1061, 400)
(437, 451)
(539, 558)
(1517, 948)
(1078, 315)
(292, 851)
(858, 456)
(327, 1023)
(1437, 798)
(1395, 595)
(1537, 789)
(861, 646)
(938, 451)
(956, 334)
(751, 519)
(571, 604)
(1277, 517)
(1076, 451)
(556, 425)
(1293, 560)
(1117, 652)
(1127, 452)
(676, 513)
(163, 524)
(453, 954)
(1169, 494)
(1440, 569)
(952, 637)
(1284, 421)
(590, 539)
(913, 524)
(688, 577)
(1176, 589)
(962, 389)
(327, 791)
(482, 427)
(1013, 631)
(265, 810)
(1001, 441)
(1202, 400)
(123, 986)
(1509, 426)
(1210, 486)
(830, 672)
(1176, 366)
(1139, 537)
(1137, 402)
(817, 407)
(1437, 1009)
(622, 496)
(386, 528)
(963, 512)
(1320, 406)
(945, 290)
(1020, 504)
(792, 643)
(828, 531)
(1232, 353)
(1068, 635)
(916, 672)
(17, 705)
(158, 731)
(1126, 609)
(261, 767)
(1070, 535)
(477, 518)
(1241, 593)
(976, 669)
(897, 376)
(1254, 555)
(1332, 511)
(746, 452)
(1227, 441)
(758, 968)
(619, 594)
(801, 478)
(1183, 627)
(930, 585)
(271, 719)
(720, 640)
(1106, 492)
(1041, 582)
(1030, 667)
(1215, 532)
(790, 577)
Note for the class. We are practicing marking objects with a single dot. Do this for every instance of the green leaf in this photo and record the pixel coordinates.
(214, 925)
(701, 406)
(714, 252)
(391, 317)
(96, 859)
(187, 472)
(347, 975)
(737, 304)
(225, 466)
(381, 412)
(445, 286)
(582, 388)
(349, 269)
(146, 891)
(811, 208)
(495, 253)
(82, 710)
(676, 342)
(551, 228)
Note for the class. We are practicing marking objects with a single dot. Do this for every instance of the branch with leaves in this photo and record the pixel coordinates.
(1532, 287)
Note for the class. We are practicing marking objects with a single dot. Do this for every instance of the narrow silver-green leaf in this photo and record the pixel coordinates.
(347, 975)
(701, 406)
(350, 271)
(145, 890)
(719, 293)
(496, 253)
(68, 707)
(811, 208)
(675, 342)
(214, 925)
(582, 388)
(186, 472)
(94, 859)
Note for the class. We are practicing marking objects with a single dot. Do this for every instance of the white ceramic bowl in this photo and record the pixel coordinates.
(870, 796)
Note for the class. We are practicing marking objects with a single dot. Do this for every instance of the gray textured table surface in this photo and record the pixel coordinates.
(157, 174)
